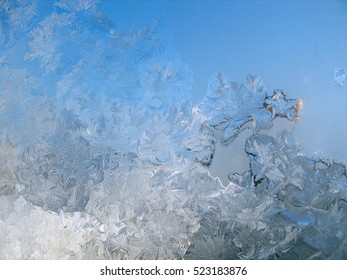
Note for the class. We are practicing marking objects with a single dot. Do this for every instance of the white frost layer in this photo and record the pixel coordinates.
(102, 155)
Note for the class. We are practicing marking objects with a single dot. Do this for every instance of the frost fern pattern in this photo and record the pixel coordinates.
(104, 155)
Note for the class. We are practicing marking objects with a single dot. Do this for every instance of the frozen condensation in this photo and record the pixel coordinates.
(104, 156)
(229, 106)
(340, 77)
(17, 17)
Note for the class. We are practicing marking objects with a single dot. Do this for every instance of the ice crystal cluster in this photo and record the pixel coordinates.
(340, 77)
(103, 155)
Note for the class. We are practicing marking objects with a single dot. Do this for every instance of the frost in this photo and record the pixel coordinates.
(7, 167)
(285, 207)
(19, 103)
(46, 40)
(169, 82)
(60, 176)
(76, 6)
(54, 236)
(17, 17)
(179, 136)
(141, 223)
(233, 105)
(3, 59)
(340, 77)
(103, 155)
(280, 106)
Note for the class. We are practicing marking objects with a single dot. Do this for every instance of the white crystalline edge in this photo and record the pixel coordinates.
(340, 77)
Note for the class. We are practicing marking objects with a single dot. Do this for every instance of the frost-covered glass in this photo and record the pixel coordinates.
(103, 155)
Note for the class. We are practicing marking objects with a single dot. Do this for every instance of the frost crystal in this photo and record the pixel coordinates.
(76, 6)
(286, 207)
(17, 17)
(230, 106)
(340, 77)
(103, 156)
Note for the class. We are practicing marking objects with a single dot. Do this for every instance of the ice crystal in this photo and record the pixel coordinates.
(340, 77)
(170, 82)
(54, 236)
(47, 38)
(233, 105)
(139, 219)
(7, 167)
(17, 17)
(269, 213)
(76, 6)
(103, 155)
